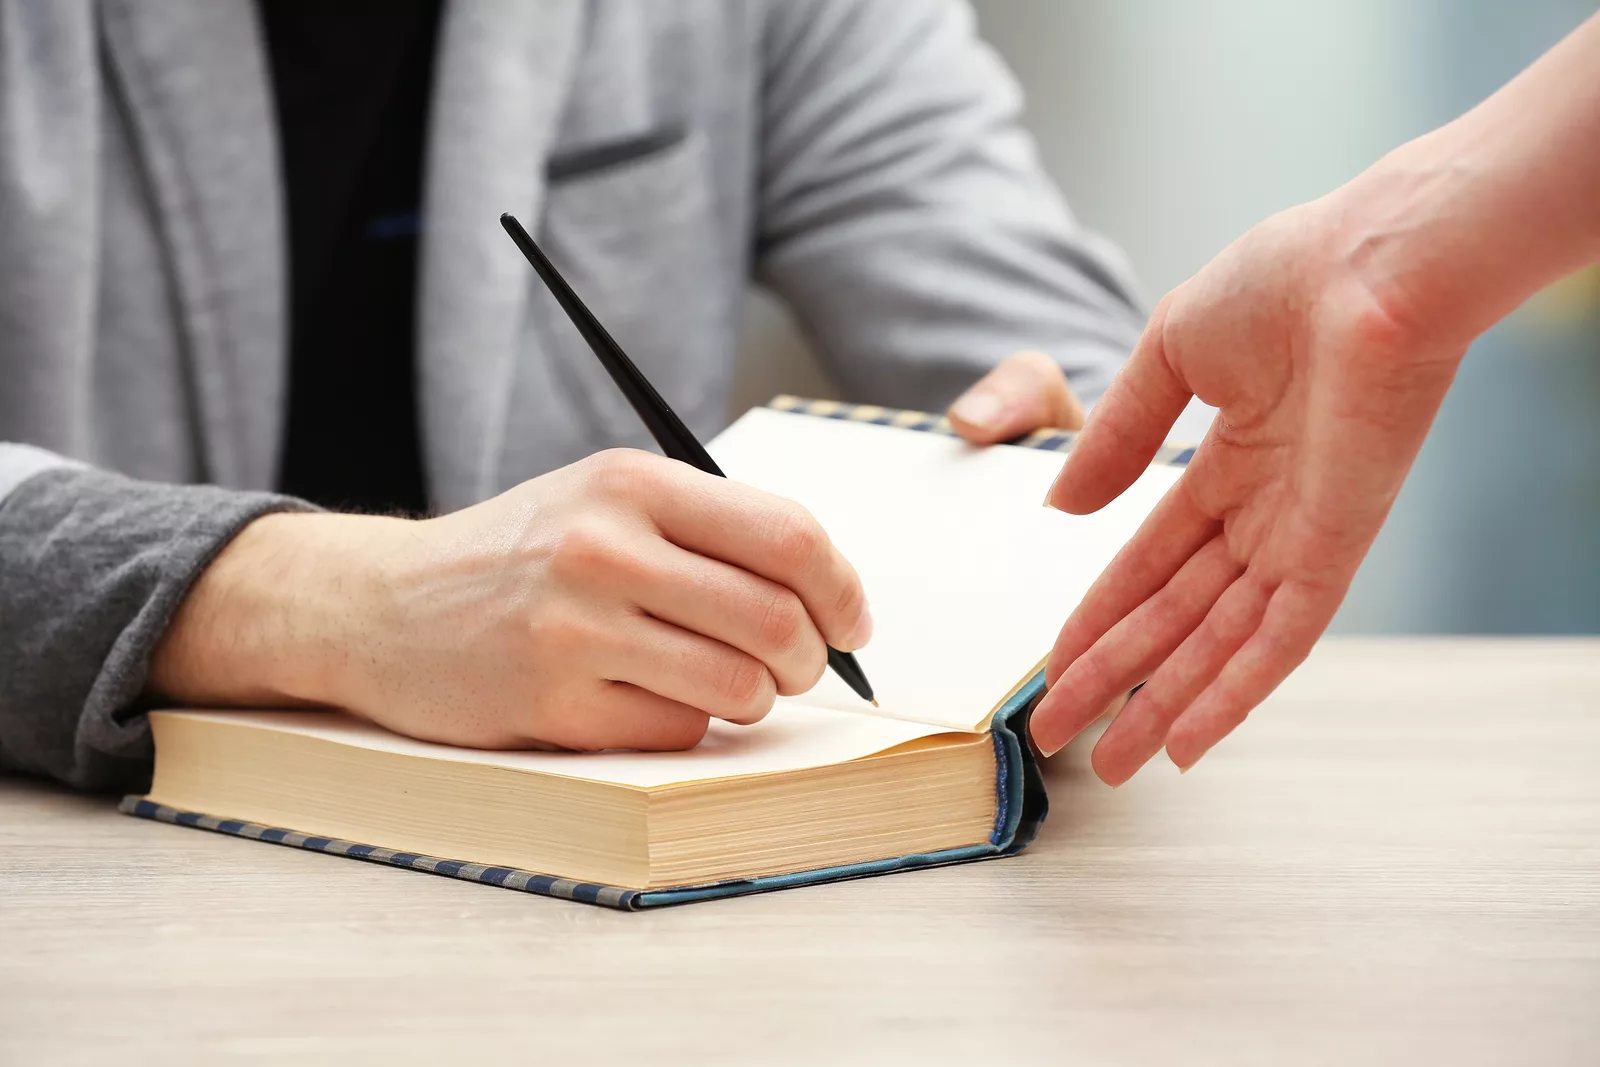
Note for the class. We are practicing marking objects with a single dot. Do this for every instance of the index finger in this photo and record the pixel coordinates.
(1173, 532)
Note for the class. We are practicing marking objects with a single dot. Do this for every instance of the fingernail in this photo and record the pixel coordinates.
(1050, 494)
(981, 409)
(1074, 728)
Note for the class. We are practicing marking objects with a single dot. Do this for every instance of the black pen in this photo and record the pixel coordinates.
(669, 431)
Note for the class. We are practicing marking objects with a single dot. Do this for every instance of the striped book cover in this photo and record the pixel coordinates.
(1048, 440)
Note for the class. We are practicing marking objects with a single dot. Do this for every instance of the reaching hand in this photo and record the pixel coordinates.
(1327, 337)
(1325, 394)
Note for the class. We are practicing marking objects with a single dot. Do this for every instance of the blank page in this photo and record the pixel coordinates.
(968, 575)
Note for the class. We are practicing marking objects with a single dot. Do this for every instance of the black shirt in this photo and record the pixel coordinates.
(352, 81)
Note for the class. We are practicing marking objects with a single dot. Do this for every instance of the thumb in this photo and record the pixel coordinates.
(1025, 393)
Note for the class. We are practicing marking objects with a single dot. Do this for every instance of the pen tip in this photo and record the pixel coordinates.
(874, 703)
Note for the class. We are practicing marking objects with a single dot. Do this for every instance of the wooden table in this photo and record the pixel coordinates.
(1396, 860)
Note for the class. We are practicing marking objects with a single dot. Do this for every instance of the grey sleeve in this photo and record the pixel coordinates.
(905, 216)
(92, 567)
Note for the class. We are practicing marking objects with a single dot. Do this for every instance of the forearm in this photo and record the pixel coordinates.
(1454, 230)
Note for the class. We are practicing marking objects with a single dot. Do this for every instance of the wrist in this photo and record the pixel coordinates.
(272, 621)
(1398, 233)
(1453, 231)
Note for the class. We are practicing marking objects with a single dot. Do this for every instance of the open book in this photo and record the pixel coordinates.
(969, 578)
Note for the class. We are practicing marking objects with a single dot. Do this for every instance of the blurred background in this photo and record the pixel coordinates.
(1175, 125)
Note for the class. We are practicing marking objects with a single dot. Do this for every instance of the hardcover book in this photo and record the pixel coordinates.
(969, 578)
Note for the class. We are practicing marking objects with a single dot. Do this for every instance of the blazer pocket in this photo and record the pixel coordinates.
(591, 159)
(638, 243)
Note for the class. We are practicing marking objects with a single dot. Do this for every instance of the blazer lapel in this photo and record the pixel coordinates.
(499, 90)
(194, 81)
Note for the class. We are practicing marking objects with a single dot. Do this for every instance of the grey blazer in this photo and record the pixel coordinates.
(863, 158)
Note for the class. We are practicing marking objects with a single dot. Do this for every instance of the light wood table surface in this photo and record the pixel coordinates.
(1397, 860)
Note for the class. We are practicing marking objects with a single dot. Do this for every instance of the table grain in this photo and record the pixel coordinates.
(1396, 860)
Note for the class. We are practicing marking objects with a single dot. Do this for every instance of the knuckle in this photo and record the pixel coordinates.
(1039, 365)
(1168, 606)
(585, 550)
(796, 540)
(1090, 674)
(622, 472)
(850, 603)
(686, 733)
(1282, 651)
(783, 621)
(748, 688)
(813, 664)
(1157, 705)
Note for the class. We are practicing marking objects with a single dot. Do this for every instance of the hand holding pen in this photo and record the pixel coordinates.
(663, 423)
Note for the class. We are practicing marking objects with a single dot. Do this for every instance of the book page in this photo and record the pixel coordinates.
(789, 739)
(968, 575)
